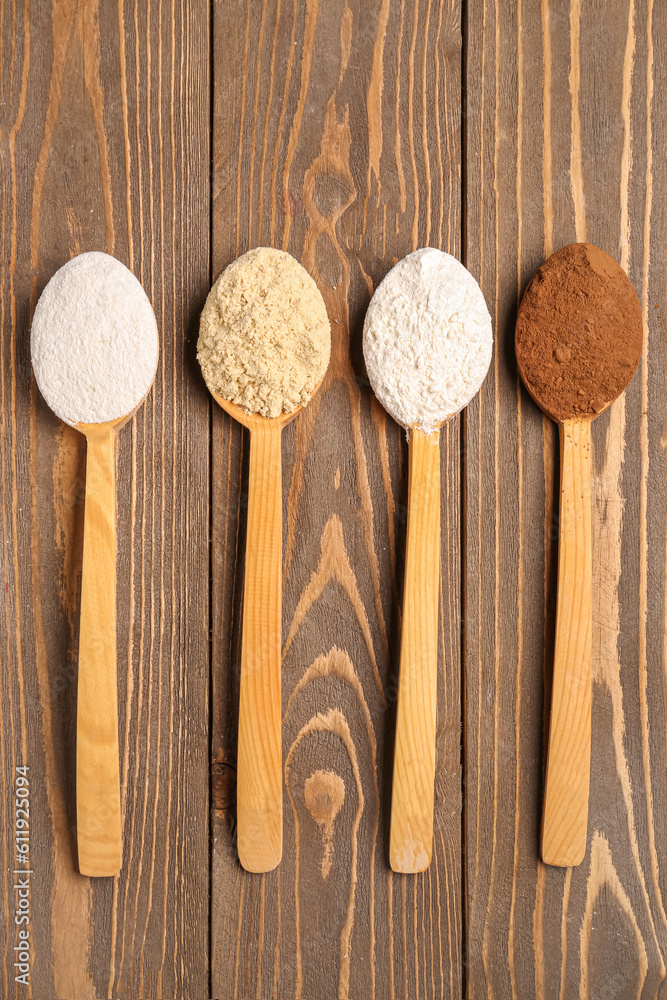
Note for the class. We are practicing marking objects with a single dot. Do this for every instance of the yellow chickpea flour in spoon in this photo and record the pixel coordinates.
(94, 347)
(264, 337)
(264, 346)
(427, 345)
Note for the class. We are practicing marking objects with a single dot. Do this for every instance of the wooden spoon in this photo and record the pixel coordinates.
(578, 344)
(94, 333)
(427, 345)
(259, 787)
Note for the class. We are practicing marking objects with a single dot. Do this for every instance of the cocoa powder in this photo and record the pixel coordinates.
(578, 332)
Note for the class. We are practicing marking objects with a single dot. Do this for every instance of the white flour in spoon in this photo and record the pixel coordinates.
(93, 341)
(427, 339)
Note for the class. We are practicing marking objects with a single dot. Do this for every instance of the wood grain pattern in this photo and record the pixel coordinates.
(565, 117)
(336, 137)
(337, 134)
(104, 144)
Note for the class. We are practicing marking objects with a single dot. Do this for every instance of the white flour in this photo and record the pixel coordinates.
(427, 339)
(94, 340)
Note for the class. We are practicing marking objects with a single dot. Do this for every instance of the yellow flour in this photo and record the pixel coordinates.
(264, 336)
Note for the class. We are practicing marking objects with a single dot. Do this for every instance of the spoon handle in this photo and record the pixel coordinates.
(567, 779)
(97, 768)
(411, 835)
(259, 778)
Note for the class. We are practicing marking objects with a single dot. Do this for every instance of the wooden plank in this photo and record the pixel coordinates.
(337, 137)
(104, 144)
(565, 132)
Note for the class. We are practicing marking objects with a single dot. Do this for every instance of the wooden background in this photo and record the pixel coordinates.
(175, 136)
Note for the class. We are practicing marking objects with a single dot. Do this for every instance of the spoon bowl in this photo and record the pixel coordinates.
(255, 421)
(578, 333)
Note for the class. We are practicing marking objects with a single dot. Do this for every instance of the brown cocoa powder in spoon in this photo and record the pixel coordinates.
(578, 332)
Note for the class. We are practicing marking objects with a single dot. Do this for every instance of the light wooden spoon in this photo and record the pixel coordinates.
(94, 332)
(578, 344)
(259, 786)
(427, 346)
